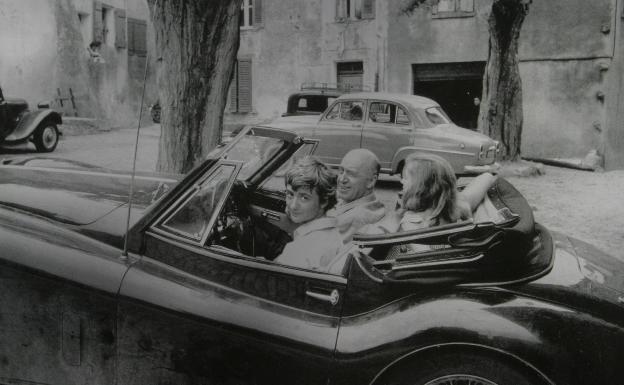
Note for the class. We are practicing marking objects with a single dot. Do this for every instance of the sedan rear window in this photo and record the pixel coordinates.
(437, 116)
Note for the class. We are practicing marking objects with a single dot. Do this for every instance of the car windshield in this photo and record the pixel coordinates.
(437, 116)
(254, 151)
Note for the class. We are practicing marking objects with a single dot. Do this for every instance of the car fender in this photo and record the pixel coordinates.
(403, 152)
(36, 244)
(547, 338)
(30, 121)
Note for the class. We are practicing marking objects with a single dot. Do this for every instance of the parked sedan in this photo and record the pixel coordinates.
(198, 299)
(393, 126)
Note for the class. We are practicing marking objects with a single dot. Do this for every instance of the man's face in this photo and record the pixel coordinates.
(356, 177)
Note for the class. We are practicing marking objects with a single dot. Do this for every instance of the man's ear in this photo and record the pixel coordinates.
(372, 181)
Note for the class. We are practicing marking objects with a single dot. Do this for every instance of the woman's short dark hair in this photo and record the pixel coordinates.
(310, 172)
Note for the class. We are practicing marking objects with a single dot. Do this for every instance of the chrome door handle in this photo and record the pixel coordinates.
(332, 298)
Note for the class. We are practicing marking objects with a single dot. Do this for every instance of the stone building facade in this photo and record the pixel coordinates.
(570, 62)
(98, 49)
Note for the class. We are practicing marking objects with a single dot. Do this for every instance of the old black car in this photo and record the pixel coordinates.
(19, 124)
(197, 298)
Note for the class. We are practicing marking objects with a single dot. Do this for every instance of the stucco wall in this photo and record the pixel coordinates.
(418, 38)
(300, 41)
(563, 44)
(563, 117)
(45, 47)
(28, 46)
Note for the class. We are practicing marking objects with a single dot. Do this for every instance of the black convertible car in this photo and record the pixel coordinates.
(198, 299)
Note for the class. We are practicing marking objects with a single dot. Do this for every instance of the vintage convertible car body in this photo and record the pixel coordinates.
(197, 299)
(18, 124)
(393, 126)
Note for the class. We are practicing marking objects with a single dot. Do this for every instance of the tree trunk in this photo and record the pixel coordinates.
(500, 114)
(196, 44)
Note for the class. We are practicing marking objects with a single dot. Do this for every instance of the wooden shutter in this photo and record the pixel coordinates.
(368, 9)
(98, 28)
(234, 90)
(257, 12)
(340, 9)
(140, 37)
(120, 28)
(244, 85)
(466, 5)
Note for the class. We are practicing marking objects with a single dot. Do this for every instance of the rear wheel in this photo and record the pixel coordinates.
(463, 369)
(46, 137)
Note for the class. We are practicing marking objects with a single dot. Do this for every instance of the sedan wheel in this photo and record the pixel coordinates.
(46, 138)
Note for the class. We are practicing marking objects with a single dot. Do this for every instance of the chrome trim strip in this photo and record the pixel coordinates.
(82, 172)
(416, 265)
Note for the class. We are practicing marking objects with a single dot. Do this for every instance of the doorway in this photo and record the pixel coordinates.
(457, 87)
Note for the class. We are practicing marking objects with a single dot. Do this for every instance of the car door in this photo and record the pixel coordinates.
(57, 305)
(194, 309)
(387, 128)
(339, 130)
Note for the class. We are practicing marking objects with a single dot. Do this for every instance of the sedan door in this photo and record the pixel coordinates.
(195, 309)
(339, 130)
(388, 128)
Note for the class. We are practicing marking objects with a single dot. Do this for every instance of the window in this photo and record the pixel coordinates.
(250, 14)
(192, 218)
(381, 112)
(137, 37)
(350, 75)
(355, 9)
(436, 116)
(240, 88)
(347, 110)
(453, 8)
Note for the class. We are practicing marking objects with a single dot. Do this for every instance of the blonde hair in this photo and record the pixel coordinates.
(434, 187)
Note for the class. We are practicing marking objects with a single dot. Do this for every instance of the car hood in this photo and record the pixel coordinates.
(462, 134)
(297, 119)
(76, 197)
(582, 277)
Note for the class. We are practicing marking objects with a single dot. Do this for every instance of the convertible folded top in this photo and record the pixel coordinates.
(503, 245)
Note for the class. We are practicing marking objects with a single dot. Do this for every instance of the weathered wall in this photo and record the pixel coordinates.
(44, 47)
(613, 138)
(418, 38)
(563, 46)
(28, 48)
(300, 41)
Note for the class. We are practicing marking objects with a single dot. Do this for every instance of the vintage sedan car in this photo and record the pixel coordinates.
(394, 126)
(18, 124)
(191, 294)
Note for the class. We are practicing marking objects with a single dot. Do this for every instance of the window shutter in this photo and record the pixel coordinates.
(368, 9)
(466, 5)
(140, 37)
(120, 28)
(97, 22)
(257, 12)
(234, 90)
(244, 85)
(340, 9)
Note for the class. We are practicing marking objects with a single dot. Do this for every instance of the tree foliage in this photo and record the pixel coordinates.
(196, 46)
(500, 114)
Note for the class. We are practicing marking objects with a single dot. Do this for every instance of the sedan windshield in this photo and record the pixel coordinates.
(437, 116)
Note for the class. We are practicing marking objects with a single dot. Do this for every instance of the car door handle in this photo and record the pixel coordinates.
(332, 298)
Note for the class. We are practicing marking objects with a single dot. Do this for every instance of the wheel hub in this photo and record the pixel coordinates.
(49, 137)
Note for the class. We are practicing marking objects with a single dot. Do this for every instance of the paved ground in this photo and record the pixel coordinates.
(586, 205)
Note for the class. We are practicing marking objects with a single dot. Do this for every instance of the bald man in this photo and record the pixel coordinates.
(357, 204)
